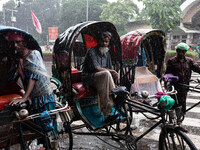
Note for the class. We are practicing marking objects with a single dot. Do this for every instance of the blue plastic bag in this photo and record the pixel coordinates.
(46, 121)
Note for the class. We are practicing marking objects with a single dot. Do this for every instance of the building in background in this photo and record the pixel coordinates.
(189, 29)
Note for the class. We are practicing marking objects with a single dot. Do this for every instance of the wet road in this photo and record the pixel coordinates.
(150, 141)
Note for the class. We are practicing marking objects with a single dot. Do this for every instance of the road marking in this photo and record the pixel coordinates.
(192, 100)
(193, 122)
(194, 110)
(154, 135)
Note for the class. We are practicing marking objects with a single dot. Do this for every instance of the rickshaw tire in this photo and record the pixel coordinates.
(176, 133)
(130, 117)
(68, 130)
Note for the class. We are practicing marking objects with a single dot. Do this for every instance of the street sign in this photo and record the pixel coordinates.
(13, 19)
(53, 33)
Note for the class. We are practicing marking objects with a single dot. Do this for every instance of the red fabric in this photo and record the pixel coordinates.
(90, 41)
(82, 91)
(36, 23)
(14, 36)
(74, 69)
(159, 94)
(76, 77)
(130, 44)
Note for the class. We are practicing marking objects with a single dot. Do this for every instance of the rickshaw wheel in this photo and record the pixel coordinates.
(127, 120)
(64, 129)
(33, 144)
(122, 124)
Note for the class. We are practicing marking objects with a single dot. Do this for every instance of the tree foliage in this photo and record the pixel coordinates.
(120, 13)
(65, 13)
(162, 14)
(74, 12)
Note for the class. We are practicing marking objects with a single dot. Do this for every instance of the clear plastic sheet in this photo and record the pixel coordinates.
(145, 80)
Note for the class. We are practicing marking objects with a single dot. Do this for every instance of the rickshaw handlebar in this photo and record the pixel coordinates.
(172, 92)
(51, 112)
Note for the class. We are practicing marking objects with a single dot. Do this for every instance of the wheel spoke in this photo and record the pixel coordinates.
(175, 140)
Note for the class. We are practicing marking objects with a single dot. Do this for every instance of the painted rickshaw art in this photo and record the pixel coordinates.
(144, 49)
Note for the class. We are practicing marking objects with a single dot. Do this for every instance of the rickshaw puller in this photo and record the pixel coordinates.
(181, 66)
(98, 73)
(34, 75)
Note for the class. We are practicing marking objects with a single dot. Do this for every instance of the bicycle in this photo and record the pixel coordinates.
(172, 135)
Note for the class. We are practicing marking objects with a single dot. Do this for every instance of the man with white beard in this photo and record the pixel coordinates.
(98, 73)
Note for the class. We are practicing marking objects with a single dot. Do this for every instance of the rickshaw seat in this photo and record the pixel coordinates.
(8, 92)
(78, 86)
(6, 99)
(76, 76)
(81, 91)
(145, 80)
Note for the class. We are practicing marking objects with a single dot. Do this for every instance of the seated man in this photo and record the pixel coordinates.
(98, 73)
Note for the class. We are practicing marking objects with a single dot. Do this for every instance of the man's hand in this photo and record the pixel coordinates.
(115, 74)
(18, 101)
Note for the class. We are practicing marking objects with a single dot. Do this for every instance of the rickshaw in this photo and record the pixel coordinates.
(69, 51)
(68, 56)
(144, 49)
(17, 123)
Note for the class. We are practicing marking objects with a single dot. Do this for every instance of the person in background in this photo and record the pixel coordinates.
(98, 73)
(181, 66)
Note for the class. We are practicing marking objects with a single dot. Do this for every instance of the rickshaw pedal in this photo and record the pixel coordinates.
(130, 142)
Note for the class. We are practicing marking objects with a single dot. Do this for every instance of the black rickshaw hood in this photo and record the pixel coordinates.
(66, 40)
(31, 42)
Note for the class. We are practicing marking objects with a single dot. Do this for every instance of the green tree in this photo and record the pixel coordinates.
(162, 14)
(74, 12)
(120, 13)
